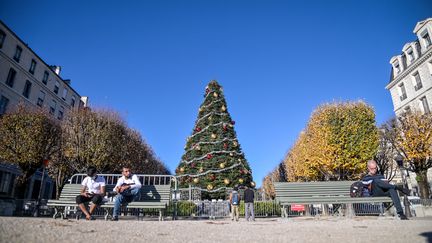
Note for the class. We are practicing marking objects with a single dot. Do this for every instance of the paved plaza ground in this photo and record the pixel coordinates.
(364, 229)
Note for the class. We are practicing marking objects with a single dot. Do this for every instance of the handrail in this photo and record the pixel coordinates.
(145, 179)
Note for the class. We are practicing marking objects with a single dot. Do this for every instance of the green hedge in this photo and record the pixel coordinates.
(184, 208)
(262, 208)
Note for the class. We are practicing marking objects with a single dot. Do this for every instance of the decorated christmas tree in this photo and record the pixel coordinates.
(213, 159)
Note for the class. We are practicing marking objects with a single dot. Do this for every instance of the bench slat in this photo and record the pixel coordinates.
(288, 193)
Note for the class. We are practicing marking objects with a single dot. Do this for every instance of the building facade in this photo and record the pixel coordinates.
(410, 84)
(26, 78)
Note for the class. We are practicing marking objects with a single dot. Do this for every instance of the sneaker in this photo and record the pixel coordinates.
(402, 216)
(114, 218)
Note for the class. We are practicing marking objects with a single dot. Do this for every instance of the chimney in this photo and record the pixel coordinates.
(84, 101)
(56, 69)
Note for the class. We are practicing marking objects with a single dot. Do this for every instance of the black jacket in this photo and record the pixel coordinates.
(249, 196)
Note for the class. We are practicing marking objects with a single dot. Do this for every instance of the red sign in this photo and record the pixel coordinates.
(297, 207)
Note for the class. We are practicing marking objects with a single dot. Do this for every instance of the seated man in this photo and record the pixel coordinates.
(127, 189)
(379, 186)
(93, 189)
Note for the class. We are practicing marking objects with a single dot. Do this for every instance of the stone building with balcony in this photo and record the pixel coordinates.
(410, 83)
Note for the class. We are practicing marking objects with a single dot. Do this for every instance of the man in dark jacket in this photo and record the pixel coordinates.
(249, 204)
(379, 186)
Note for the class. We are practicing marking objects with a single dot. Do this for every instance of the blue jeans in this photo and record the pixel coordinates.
(125, 197)
(382, 188)
(249, 211)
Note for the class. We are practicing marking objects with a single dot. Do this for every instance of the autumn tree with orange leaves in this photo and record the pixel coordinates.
(337, 142)
(412, 138)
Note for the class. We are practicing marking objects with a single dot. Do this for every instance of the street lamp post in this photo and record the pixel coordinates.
(38, 202)
(404, 173)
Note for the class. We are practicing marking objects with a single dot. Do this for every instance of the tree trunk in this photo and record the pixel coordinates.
(20, 186)
(423, 183)
(60, 182)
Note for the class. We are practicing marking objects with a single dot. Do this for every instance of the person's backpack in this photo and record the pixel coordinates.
(356, 189)
(235, 198)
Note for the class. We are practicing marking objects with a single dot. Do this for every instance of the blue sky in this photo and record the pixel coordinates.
(277, 61)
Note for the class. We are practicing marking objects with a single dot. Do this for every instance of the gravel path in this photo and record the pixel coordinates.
(14, 229)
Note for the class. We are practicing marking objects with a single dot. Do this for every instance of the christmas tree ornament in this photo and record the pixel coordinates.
(193, 165)
(222, 165)
(224, 127)
(212, 177)
(225, 145)
(182, 169)
(239, 160)
(209, 156)
(207, 90)
(241, 180)
(233, 122)
(213, 135)
(210, 118)
(235, 144)
(226, 181)
(223, 108)
(201, 170)
(209, 187)
(253, 184)
(197, 129)
(198, 147)
(196, 180)
(215, 95)
(231, 154)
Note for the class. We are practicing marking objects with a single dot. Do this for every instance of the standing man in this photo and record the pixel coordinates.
(127, 188)
(235, 203)
(93, 189)
(379, 186)
(249, 196)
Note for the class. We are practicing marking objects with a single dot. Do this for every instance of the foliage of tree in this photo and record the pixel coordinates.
(277, 175)
(84, 138)
(27, 137)
(102, 139)
(337, 142)
(386, 152)
(413, 139)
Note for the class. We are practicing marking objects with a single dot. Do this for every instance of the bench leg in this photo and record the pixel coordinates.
(107, 213)
(160, 215)
(350, 210)
(56, 212)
